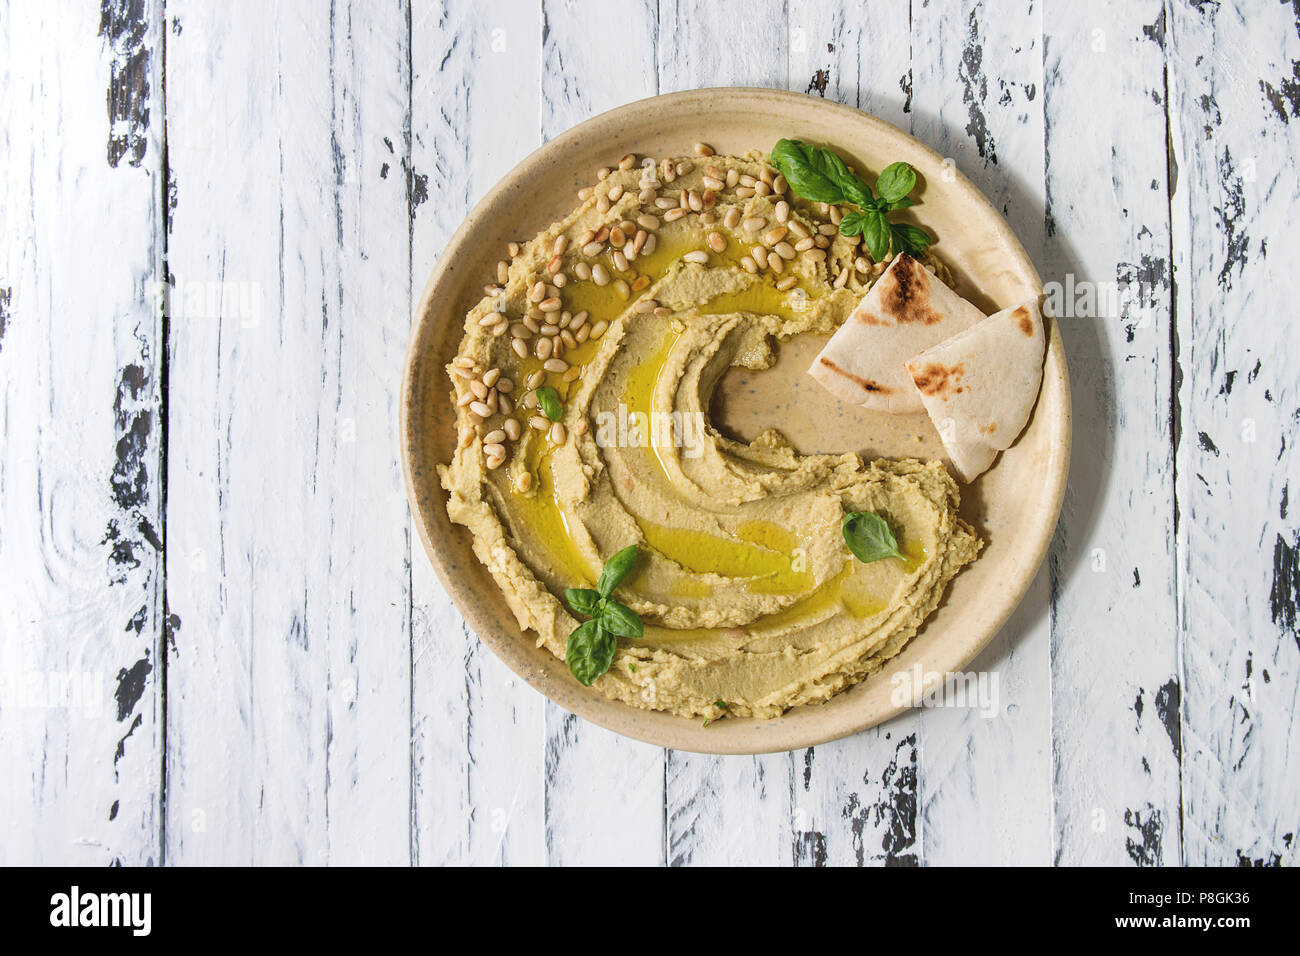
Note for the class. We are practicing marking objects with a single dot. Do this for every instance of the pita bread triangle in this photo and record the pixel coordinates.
(906, 311)
(980, 386)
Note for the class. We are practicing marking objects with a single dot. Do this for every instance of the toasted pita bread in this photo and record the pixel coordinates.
(906, 311)
(980, 385)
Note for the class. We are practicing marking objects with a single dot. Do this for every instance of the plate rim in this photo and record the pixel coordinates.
(590, 704)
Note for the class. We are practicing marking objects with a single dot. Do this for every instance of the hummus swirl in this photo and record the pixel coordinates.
(751, 601)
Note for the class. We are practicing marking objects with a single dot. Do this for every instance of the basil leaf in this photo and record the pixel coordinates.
(805, 170)
(875, 233)
(619, 619)
(615, 570)
(908, 238)
(854, 189)
(583, 601)
(549, 402)
(869, 537)
(589, 652)
(896, 181)
(853, 223)
(900, 203)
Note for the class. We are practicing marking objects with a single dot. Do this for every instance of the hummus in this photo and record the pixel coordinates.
(632, 308)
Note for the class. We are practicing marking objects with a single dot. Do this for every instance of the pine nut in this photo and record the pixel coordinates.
(557, 433)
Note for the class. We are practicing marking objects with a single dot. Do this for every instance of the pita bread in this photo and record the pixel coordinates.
(906, 311)
(980, 385)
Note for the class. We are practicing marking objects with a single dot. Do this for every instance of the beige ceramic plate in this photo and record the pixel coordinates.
(1014, 505)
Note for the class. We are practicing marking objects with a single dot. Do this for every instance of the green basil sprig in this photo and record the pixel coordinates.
(869, 536)
(548, 400)
(590, 650)
(817, 174)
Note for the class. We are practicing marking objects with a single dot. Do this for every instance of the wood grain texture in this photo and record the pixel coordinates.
(479, 737)
(985, 772)
(580, 78)
(1232, 75)
(1114, 633)
(289, 710)
(81, 621)
(216, 645)
(855, 801)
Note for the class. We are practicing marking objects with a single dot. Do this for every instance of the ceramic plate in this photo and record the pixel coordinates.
(1014, 505)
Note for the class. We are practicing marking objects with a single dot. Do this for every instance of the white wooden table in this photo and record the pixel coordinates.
(220, 641)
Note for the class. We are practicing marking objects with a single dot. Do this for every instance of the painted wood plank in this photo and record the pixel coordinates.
(81, 623)
(620, 819)
(985, 777)
(1234, 105)
(854, 802)
(289, 710)
(725, 811)
(479, 745)
(1115, 682)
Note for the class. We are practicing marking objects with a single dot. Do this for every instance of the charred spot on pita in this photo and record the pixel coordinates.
(1022, 316)
(934, 378)
(864, 383)
(907, 297)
